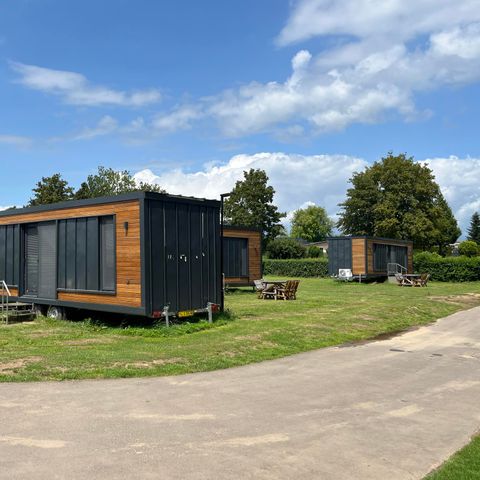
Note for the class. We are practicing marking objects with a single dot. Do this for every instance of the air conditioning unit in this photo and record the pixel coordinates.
(345, 273)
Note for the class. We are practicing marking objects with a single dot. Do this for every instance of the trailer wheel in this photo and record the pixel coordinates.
(56, 313)
(39, 310)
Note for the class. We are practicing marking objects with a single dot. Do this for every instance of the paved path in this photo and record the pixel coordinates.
(390, 409)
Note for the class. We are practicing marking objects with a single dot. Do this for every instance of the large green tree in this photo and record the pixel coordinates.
(110, 182)
(52, 189)
(312, 224)
(251, 205)
(474, 230)
(399, 198)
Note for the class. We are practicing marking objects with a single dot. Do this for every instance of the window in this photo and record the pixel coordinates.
(235, 257)
(86, 254)
(9, 254)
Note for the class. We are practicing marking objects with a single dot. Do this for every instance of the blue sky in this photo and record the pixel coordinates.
(190, 93)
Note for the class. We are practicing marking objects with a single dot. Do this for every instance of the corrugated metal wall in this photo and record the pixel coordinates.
(184, 252)
(10, 253)
(235, 257)
(339, 254)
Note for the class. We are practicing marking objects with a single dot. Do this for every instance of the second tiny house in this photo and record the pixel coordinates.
(369, 257)
(242, 255)
(137, 254)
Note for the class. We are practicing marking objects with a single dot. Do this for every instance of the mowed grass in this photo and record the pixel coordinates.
(464, 465)
(326, 313)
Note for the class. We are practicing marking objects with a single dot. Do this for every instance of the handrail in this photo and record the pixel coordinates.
(5, 304)
(397, 268)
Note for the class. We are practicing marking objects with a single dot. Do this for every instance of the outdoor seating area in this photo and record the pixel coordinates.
(277, 290)
(412, 279)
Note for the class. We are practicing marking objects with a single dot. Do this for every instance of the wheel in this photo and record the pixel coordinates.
(39, 310)
(56, 313)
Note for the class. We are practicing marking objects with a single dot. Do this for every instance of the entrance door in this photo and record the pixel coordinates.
(47, 262)
(31, 260)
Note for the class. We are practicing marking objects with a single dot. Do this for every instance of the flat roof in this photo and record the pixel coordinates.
(103, 200)
(397, 240)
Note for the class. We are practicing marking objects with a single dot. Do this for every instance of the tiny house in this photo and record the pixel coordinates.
(368, 257)
(138, 254)
(242, 255)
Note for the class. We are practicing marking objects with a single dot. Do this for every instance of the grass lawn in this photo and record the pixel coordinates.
(326, 313)
(464, 465)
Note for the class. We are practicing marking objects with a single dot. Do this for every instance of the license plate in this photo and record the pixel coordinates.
(186, 313)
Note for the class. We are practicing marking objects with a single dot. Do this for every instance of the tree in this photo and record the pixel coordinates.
(110, 182)
(312, 224)
(474, 230)
(399, 198)
(251, 205)
(469, 248)
(51, 190)
(285, 247)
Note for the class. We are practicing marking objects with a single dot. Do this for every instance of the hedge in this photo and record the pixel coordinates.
(448, 269)
(304, 267)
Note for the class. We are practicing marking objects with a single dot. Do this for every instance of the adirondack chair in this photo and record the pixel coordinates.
(400, 279)
(259, 287)
(423, 280)
(289, 292)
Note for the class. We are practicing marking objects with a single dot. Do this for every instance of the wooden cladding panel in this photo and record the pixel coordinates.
(254, 254)
(358, 256)
(128, 256)
(13, 291)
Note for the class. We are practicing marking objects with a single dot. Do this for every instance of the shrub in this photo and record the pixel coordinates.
(450, 269)
(285, 247)
(314, 252)
(468, 248)
(317, 267)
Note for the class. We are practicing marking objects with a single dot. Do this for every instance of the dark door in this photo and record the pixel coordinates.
(47, 262)
(31, 260)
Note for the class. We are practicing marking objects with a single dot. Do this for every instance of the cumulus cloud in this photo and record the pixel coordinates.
(458, 178)
(377, 56)
(302, 180)
(398, 20)
(75, 89)
(15, 140)
(179, 119)
(319, 179)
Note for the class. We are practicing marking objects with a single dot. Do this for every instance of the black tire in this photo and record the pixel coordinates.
(39, 310)
(56, 313)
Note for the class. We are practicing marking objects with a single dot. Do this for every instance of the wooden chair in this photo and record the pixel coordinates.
(259, 287)
(400, 279)
(423, 280)
(289, 292)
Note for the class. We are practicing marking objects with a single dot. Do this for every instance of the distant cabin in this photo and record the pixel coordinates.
(242, 255)
(369, 256)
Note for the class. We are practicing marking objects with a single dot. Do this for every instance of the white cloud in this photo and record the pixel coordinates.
(15, 140)
(302, 180)
(75, 89)
(375, 58)
(397, 20)
(179, 119)
(320, 179)
(5, 208)
(105, 126)
(458, 178)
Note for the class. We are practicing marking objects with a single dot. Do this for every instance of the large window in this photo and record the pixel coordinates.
(235, 257)
(385, 254)
(86, 254)
(9, 253)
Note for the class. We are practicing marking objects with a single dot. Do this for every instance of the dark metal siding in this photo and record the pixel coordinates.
(339, 254)
(183, 252)
(9, 253)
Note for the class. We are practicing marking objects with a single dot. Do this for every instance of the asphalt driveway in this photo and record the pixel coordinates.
(388, 409)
